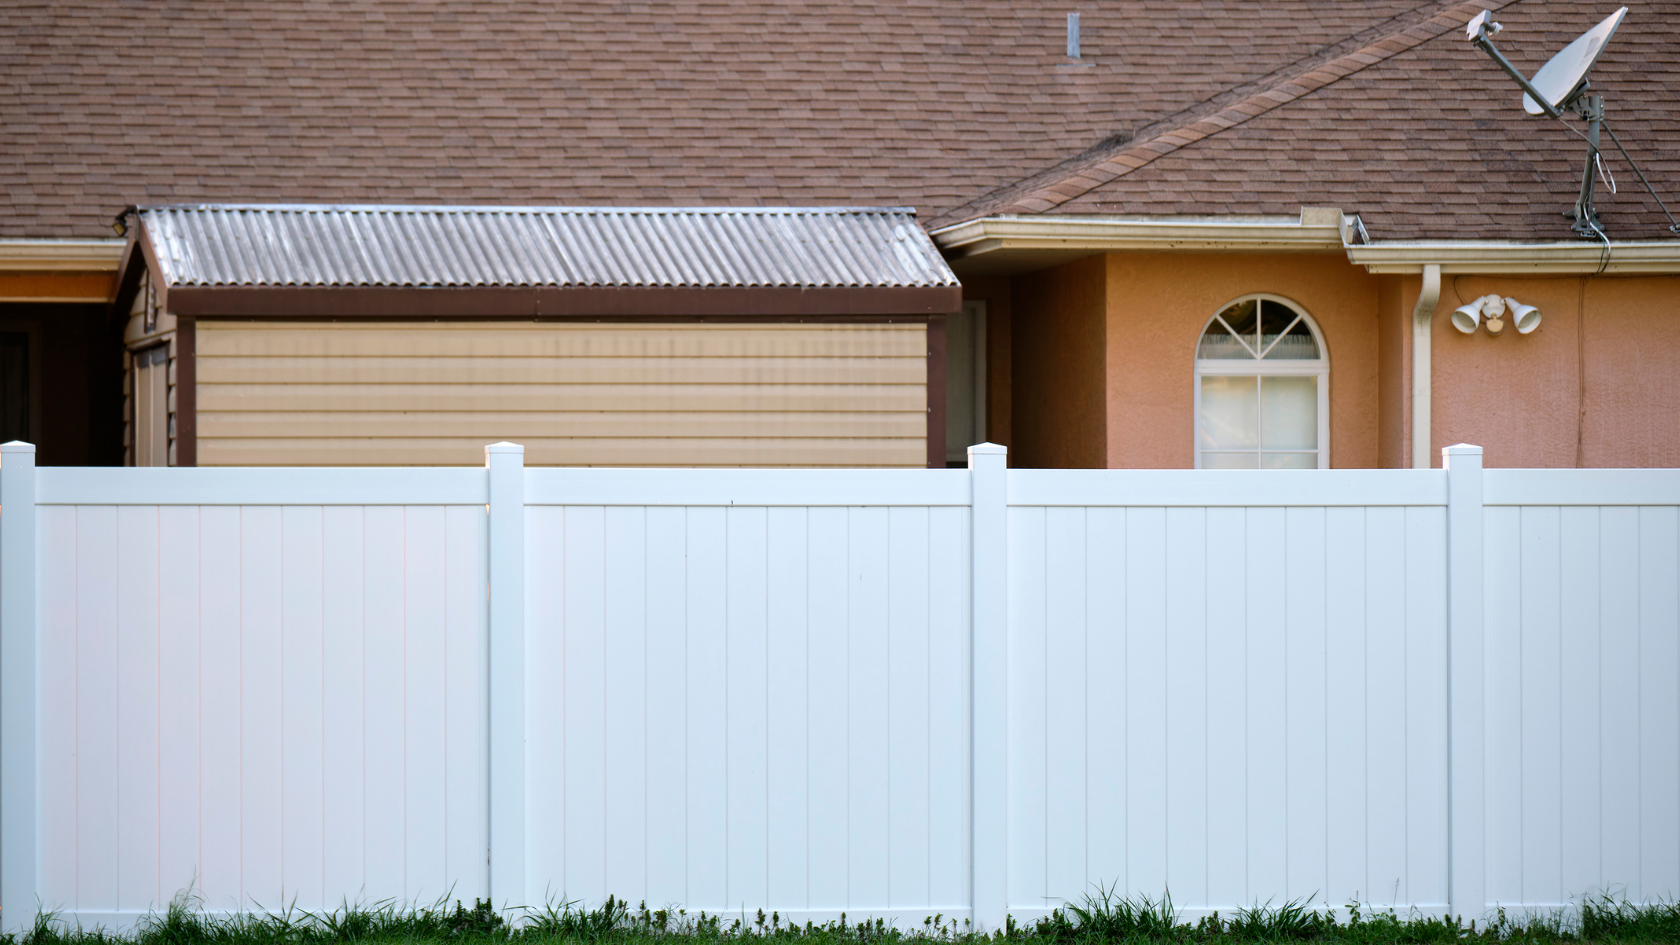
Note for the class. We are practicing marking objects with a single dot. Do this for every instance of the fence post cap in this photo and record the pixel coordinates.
(987, 449)
(17, 446)
(504, 447)
(1461, 449)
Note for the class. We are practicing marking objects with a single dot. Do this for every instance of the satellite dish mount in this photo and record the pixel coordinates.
(1560, 87)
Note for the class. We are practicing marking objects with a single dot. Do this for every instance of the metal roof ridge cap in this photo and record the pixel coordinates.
(533, 208)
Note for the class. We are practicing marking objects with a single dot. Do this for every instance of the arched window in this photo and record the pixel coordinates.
(1262, 389)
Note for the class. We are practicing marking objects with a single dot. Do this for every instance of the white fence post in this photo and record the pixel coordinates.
(1466, 759)
(505, 463)
(989, 535)
(20, 840)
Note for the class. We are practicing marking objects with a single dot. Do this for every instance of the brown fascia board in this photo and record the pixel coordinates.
(127, 283)
(554, 301)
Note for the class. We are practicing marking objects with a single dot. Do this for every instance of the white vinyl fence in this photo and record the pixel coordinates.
(885, 693)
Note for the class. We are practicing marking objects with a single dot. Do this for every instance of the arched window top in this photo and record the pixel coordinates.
(1260, 328)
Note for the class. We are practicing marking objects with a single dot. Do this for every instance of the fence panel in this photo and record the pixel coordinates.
(735, 704)
(263, 705)
(1583, 686)
(1226, 695)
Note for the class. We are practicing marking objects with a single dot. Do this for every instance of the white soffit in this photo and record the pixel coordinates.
(60, 255)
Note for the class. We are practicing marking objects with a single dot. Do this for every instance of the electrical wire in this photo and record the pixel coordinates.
(1673, 226)
(1603, 257)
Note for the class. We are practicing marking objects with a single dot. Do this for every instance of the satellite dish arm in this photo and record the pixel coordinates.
(1483, 39)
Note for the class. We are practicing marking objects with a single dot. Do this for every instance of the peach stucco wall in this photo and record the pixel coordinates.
(1596, 385)
(1157, 306)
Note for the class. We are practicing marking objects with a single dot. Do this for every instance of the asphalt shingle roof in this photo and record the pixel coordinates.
(958, 110)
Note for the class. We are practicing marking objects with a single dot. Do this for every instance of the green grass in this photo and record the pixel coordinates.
(1099, 919)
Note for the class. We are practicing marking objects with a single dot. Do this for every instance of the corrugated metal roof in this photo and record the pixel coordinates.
(304, 245)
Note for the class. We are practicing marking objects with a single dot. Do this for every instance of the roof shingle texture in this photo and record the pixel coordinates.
(1428, 143)
(931, 104)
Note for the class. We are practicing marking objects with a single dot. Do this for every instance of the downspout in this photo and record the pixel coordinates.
(1422, 314)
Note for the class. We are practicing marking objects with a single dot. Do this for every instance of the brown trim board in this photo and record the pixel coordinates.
(555, 301)
(186, 392)
(936, 392)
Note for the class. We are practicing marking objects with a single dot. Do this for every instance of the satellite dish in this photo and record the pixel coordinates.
(1560, 87)
(1562, 78)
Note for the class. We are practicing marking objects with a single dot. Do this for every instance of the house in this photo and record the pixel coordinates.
(1186, 234)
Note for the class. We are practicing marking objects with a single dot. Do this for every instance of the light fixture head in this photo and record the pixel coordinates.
(1525, 318)
(1466, 317)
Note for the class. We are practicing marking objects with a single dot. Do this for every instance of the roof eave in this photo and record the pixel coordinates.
(1489, 256)
(21, 255)
(1009, 243)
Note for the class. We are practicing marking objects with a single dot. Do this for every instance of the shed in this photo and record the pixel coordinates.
(402, 335)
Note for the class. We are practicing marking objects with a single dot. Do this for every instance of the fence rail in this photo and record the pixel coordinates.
(885, 693)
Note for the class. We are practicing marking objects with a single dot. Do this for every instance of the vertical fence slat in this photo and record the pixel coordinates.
(343, 744)
(707, 711)
(424, 709)
(302, 858)
(625, 676)
(467, 668)
(948, 728)
(1065, 632)
(137, 707)
(178, 700)
(1027, 723)
(1659, 709)
(1581, 846)
(583, 704)
(747, 705)
(384, 746)
(1227, 687)
(1466, 760)
(828, 681)
(21, 660)
(1619, 730)
(989, 585)
(867, 757)
(907, 708)
(505, 465)
(1345, 701)
(667, 687)
(1105, 673)
(1304, 704)
(789, 671)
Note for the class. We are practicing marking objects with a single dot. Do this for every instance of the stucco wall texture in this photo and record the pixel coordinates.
(1158, 304)
(1597, 385)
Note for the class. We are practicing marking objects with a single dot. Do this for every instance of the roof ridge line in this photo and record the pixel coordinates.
(1052, 188)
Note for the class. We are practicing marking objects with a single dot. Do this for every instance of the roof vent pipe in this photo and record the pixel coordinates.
(1073, 36)
(1423, 315)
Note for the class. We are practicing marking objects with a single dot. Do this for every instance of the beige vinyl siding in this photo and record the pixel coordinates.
(582, 394)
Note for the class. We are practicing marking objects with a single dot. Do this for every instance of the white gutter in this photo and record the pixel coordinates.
(1316, 230)
(1423, 314)
(1488, 258)
(61, 255)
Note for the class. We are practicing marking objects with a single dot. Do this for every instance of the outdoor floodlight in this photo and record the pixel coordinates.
(1467, 316)
(1525, 317)
(1490, 310)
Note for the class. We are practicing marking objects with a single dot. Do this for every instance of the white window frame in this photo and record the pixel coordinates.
(1252, 367)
